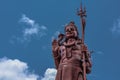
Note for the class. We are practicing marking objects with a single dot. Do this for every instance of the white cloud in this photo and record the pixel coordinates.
(50, 74)
(31, 30)
(43, 27)
(27, 20)
(116, 27)
(34, 28)
(15, 70)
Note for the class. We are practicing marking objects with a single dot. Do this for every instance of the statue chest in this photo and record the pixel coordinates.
(71, 53)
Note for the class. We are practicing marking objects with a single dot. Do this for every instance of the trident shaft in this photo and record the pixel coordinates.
(82, 14)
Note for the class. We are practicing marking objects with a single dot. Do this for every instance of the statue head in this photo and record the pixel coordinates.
(71, 30)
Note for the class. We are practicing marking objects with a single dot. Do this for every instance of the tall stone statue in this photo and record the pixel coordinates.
(68, 52)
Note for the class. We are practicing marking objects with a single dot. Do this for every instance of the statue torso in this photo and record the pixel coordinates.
(71, 52)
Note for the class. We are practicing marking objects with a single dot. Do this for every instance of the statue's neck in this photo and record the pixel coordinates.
(70, 42)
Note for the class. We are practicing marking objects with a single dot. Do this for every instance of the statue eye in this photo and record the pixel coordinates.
(67, 30)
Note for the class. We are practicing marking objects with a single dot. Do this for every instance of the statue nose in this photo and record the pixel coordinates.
(69, 30)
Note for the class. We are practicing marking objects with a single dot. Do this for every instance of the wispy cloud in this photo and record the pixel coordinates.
(116, 27)
(55, 35)
(27, 20)
(31, 30)
(95, 54)
(15, 70)
(50, 74)
(100, 52)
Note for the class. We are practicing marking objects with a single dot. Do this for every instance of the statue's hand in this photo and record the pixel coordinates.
(55, 45)
(84, 48)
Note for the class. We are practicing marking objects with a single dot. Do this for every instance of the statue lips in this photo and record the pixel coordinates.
(69, 34)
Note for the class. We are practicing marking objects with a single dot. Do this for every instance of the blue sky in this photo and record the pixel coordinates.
(28, 26)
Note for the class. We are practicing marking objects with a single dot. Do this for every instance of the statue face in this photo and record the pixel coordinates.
(71, 32)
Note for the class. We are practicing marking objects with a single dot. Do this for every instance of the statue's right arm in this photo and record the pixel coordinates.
(56, 55)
